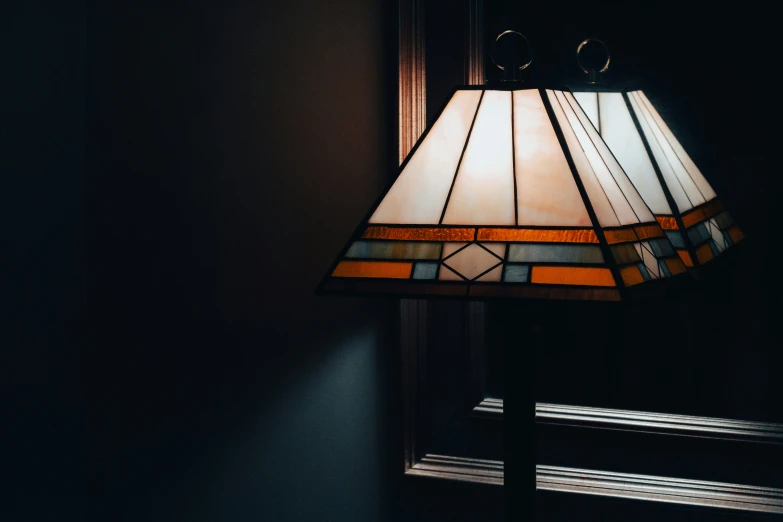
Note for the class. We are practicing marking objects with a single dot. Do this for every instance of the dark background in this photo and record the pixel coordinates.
(178, 178)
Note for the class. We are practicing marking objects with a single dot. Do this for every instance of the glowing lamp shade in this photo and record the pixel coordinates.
(510, 193)
(682, 200)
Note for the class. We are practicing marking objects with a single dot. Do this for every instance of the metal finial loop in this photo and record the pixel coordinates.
(579, 50)
(494, 45)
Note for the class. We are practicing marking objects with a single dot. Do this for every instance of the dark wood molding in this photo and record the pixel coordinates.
(659, 423)
(474, 44)
(474, 342)
(490, 407)
(459, 468)
(413, 337)
(659, 489)
(412, 79)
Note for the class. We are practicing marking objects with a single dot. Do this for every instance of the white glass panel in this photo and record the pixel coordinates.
(603, 209)
(693, 193)
(546, 191)
(589, 103)
(619, 179)
(484, 189)
(669, 177)
(620, 134)
(686, 160)
(418, 195)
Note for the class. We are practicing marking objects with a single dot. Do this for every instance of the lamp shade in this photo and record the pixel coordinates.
(510, 193)
(686, 206)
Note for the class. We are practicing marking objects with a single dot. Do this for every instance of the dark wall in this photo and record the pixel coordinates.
(231, 152)
(42, 52)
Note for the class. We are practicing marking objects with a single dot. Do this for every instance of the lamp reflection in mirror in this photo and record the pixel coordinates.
(684, 203)
(510, 193)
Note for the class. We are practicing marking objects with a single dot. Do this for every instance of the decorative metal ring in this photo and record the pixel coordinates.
(494, 44)
(579, 49)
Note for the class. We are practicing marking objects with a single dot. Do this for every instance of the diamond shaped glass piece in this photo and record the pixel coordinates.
(649, 259)
(717, 235)
(471, 261)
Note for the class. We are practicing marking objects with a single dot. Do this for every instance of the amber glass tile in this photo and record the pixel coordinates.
(382, 269)
(700, 214)
(693, 217)
(567, 275)
(704, 253)
(648, 231)
(537, 235)
(685, 256)
(631, 275)
(419, 233)
(676, 265)
(622, 235)
(667, 222)
(735, 234)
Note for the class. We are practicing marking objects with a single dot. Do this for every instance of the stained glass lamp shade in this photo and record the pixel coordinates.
(510, 193)
(668, 180)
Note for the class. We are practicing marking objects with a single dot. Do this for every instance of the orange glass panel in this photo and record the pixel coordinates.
(675, 265)
(567, 275)
(419, 233)
(735, 234)
(631, 275)
(667, 222)
(700, 214)
(704, 253)
(685, 256)
(647, 231)
(384, 269)
(693, 217)
(620, 236)
(537, 235)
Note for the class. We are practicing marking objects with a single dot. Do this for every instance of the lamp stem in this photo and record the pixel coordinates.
(519, 410)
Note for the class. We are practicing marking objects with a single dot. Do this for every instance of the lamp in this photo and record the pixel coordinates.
(685, 205)
(511, 193)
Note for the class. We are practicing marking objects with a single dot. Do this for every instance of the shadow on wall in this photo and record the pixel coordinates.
(232, 151)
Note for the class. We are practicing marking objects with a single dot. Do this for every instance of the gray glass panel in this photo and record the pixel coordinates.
(676, 239)
(425, 270)
(698, 234)
(516, 273)
(554, 253)
(394, 250)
